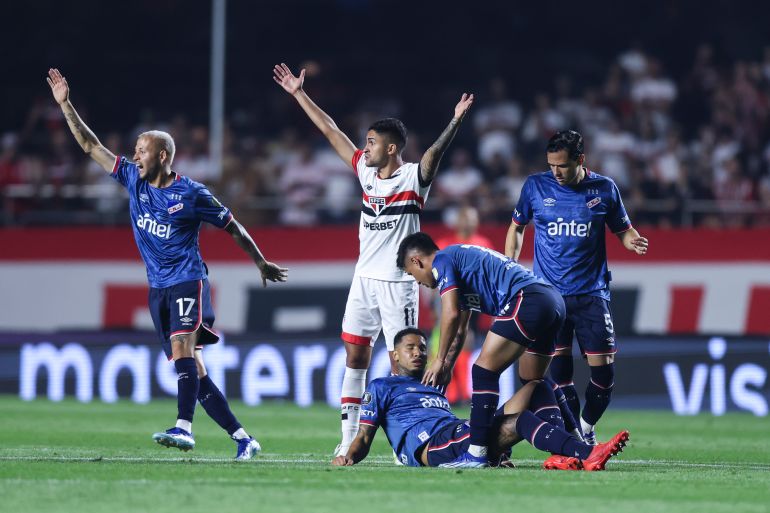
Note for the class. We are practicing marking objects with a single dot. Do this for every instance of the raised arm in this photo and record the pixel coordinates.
(269, 270)
(632, 241)
(514, 240)
(84, 136)
(430, 160)
(359, 448)
(293, 85)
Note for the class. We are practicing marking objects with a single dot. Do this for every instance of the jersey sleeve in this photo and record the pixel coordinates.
(617, 217)
(372, 405)
(124, 171)
(358, 160)
(444, 273)
(210, 210)
(522, 214)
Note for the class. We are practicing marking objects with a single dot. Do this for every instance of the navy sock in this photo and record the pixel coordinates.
(187, 387)
(599, 392)
(549, 438)
(543, 404)
(562, 369)
(486, 395)
(570, 422)
(215, 404)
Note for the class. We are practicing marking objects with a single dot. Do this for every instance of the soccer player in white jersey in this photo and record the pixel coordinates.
(382, 296)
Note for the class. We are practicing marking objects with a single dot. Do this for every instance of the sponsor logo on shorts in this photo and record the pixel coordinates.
(593, 202)
(549, 202)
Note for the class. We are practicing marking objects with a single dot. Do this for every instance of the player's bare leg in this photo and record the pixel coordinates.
(357, 360)
(188, 385)
(598, 393)
(216, 406)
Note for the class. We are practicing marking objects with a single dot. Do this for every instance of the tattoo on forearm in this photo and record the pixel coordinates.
(432, 157)
(82, 133)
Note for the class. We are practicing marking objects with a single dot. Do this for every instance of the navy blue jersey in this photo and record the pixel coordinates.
(166, 223)
(408, 411)
(486, 280)
(570, 251)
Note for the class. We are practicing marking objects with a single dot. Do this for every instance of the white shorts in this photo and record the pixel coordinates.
(375, 304)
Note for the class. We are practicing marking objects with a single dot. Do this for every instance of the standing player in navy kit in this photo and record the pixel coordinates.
(166, 211)
(528, 315)
(571, 206)
(423, 431)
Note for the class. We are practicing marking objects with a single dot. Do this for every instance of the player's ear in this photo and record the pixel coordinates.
(163, 156)
(581, 159)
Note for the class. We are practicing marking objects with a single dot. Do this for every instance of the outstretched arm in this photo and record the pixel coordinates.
(430, 160)
(84, 136)
(293, 85)
(632, 241)
(269, 270)
(359, 448)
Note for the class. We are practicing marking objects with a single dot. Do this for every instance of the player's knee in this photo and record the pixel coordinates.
(358, 357)
(603, 376)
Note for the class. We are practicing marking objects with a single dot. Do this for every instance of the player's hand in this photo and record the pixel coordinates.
(59, 86)
(342, 461)
(272, 272)
(435, 375)
(638, 245)
(463, 105)
(286, 79)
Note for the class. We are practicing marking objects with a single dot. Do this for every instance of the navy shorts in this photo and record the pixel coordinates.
(538, 313)
(182, 309)
(450, 442)
(590, 321)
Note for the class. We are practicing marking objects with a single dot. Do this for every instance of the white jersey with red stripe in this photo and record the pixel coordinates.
(390, 212)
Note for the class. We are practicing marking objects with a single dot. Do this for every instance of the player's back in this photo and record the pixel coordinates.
(486, 279)
(166, 223)
(570, 251)
(390, 212)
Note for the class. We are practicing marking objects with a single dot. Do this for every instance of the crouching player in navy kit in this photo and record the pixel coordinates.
(528, 314)
(570, 206)
(166, 212)
(423, 431)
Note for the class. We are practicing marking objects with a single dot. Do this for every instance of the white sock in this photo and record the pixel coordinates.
(240, 434)
(353, 386)
(184, 424)
(577, 435)
(585, 426)
(477, 450)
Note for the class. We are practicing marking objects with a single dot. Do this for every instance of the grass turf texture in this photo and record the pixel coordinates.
(100, 457)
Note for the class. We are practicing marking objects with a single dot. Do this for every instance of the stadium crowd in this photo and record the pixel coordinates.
(686, 149)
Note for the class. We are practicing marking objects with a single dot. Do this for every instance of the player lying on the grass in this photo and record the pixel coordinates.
(167, 210)
(423, 431)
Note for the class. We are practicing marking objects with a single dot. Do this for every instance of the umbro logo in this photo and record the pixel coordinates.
(549, 202)
(369, 187)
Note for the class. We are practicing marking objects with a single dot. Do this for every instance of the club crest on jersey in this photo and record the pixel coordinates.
(144, 198)
(174, 207)
(593, 202)
(549, 202)
(377, 204)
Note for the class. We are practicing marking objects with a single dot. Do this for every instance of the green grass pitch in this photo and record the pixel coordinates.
(99, 457)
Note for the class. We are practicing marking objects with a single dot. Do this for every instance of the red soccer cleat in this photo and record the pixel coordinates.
(604, 451)
(559, 462)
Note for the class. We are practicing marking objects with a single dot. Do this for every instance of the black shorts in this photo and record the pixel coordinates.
(182, 309)
(537, 315)
(450, 442)
(590, 321)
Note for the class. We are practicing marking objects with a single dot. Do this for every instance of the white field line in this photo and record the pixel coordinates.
(377, 461)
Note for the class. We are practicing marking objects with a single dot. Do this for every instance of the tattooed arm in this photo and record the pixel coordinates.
(432, 157)
(84, 136)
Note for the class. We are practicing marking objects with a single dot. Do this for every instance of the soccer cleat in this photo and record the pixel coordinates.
(466, 460)
(175, 437)
(247, 449)
(590, 438)
(559, 462)
(341, 450)
(604, 451)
